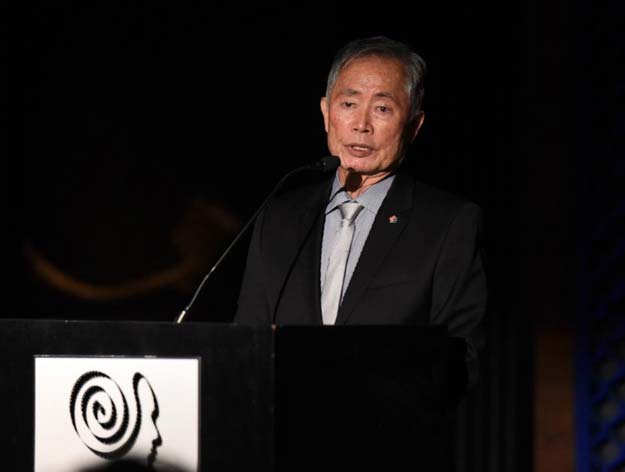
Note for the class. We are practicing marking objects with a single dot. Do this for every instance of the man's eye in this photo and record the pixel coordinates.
(348, 104)
(384, 109)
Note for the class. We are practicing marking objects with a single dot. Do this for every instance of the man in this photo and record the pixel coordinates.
(370, 245)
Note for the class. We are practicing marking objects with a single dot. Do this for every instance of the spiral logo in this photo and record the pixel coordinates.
(101, 417)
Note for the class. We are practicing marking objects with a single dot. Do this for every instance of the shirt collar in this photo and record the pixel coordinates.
(371, 199)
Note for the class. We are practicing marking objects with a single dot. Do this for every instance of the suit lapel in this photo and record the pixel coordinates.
(311, 233)
(389, 222)
(306, 258)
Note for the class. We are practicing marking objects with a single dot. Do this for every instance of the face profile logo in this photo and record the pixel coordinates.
(103, 420)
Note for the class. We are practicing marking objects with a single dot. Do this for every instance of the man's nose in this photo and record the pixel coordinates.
(362, 123)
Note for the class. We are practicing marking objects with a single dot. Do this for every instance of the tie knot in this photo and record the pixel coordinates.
(349, 211)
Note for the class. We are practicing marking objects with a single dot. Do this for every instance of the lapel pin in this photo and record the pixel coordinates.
(393, 219)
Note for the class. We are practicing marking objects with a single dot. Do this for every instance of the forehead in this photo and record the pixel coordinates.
(373, 74)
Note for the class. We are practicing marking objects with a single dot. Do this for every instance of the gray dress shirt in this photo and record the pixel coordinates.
(371, 199)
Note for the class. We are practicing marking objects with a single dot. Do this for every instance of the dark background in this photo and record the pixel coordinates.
(130, 113)
(147, 133)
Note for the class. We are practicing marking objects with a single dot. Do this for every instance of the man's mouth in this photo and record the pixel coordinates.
(359, 150)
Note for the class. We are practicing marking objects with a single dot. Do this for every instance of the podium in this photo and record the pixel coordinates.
(269, 398)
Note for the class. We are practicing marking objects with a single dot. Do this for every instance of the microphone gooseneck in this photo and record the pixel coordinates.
(325, 164)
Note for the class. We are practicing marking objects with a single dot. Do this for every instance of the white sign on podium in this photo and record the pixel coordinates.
(90, 411)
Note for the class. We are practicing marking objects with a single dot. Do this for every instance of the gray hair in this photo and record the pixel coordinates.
(382, 46)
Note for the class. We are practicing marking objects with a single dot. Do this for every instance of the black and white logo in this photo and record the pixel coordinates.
(101, 417)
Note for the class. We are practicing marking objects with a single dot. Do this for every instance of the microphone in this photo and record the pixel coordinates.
(325, 164)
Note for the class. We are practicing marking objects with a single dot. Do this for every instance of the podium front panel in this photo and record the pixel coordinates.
(235, 382)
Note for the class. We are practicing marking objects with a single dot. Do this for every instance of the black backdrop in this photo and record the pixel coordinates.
(140, 126)
(130, 113)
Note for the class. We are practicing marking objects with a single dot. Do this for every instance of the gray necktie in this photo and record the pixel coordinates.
(333, 282)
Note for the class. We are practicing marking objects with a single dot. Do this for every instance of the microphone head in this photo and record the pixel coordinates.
(328, 163)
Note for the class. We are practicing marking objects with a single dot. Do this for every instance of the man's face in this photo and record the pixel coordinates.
(366, 115)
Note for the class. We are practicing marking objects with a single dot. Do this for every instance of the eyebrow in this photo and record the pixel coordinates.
(351, 92)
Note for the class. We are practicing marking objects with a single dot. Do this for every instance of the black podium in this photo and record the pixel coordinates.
(271, 398)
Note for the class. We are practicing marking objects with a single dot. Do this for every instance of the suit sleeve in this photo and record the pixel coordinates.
(459, 288)
(252, 306)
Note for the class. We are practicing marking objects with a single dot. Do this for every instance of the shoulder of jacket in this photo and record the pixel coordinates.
(442, 200)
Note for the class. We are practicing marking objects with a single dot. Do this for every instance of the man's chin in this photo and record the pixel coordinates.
(355, 166)
(360, 170)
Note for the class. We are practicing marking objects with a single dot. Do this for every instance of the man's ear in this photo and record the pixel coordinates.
(415, 126)
(324, 112)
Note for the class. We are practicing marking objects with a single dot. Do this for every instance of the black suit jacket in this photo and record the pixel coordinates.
(425, 268)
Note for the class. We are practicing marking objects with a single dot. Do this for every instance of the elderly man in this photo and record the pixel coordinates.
(370, 245)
